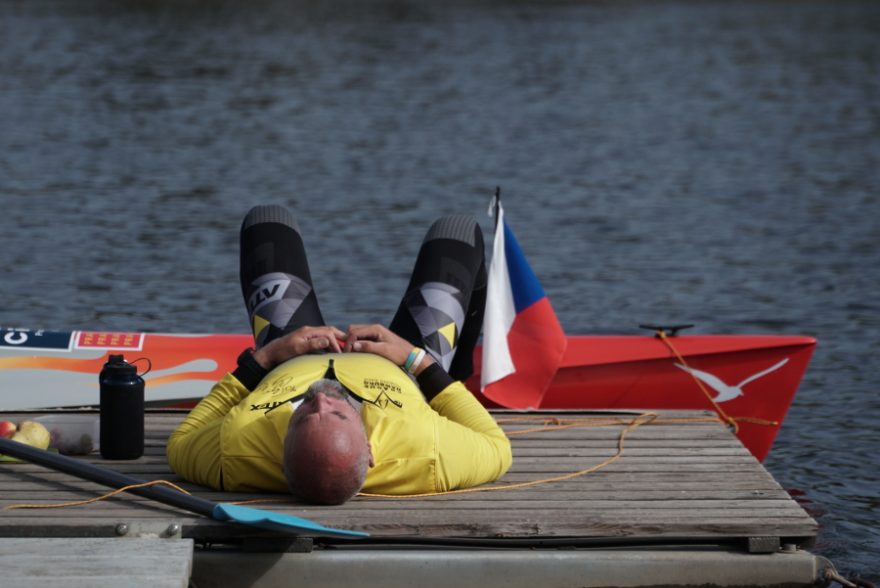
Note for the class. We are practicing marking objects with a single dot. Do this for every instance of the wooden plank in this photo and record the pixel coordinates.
(635, 481)
(459, 522)
(633, 484)
(535, 469)
(710, 492)
(96, 563)
(713, 506)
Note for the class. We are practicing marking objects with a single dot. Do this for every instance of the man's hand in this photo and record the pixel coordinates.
(299, 342)
(378, 340)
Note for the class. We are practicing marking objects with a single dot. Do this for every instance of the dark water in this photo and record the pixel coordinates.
(705, 162)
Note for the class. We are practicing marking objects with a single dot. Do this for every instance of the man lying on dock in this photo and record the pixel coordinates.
(326, 414)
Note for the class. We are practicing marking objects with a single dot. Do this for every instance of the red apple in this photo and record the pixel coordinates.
(7, 429)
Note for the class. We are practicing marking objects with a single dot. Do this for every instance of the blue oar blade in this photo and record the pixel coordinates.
(274, 521)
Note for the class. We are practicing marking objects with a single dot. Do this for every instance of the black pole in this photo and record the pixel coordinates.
(105, 476)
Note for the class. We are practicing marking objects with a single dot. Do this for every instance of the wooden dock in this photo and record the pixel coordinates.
(682, 485)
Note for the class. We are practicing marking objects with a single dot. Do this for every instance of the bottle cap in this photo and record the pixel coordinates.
(118, 365)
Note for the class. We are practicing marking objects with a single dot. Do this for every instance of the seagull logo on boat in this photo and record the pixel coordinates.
(725, 391)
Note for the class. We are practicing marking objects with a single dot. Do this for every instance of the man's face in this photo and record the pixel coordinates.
(327, 408)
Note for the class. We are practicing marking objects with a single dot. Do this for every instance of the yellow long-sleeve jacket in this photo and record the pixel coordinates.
(233, 439)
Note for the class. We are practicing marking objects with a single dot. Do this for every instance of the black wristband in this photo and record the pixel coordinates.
(249, 372)
(433, 380)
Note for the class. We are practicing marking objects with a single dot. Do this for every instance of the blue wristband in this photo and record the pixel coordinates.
(411, 358)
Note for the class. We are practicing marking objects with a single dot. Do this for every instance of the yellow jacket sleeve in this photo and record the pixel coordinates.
(193, 450)
(472, 448)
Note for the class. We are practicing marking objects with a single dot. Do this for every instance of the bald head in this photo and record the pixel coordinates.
(326, 452)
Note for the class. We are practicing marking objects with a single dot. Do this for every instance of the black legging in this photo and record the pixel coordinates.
(441, 310)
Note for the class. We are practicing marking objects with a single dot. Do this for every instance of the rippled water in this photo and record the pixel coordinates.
(706, 162)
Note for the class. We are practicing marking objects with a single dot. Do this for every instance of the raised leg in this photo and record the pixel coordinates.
(275, 278)
(442, 310)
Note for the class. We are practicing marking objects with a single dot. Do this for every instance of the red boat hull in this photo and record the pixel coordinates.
(640, 373)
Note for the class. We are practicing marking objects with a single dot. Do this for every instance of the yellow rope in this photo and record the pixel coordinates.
(756, 421)
(733, 424)
(102, 497)
(556, 423)
(257, 500)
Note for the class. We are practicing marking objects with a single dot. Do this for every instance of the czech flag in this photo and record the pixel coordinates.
(522, 340)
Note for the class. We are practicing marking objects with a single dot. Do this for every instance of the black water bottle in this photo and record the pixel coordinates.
(122, 410)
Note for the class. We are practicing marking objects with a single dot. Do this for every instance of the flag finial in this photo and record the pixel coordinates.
(494, 205)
